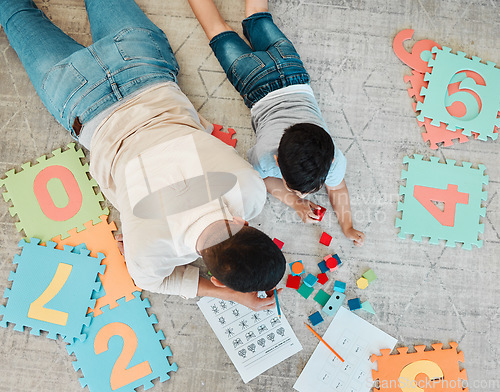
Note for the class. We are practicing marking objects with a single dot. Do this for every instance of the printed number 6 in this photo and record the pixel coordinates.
(37, 310)
(120, 375)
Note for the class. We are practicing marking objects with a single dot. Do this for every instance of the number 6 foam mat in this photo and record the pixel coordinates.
(122, 350)
(52, 290)
(436, 370)
(460, 188)
(53, 196)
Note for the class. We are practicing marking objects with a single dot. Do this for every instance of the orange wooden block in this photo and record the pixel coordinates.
(416, 371)
(116, 280)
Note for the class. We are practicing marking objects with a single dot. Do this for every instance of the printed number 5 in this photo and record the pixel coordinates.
(120, 375)
(37, 310)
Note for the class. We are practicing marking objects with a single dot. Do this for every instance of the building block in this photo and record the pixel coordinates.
(445, 68)
(293, 281)
(320, 211)
(460, 188)
(226, 137)
(116, 281)
(367, 306)
(362, 283)
(136, 339)
(297, 268)
(333, 262)
(322, 297)
(402, 369)
(310, 280)
(278, 243)
(322, 278)
(39, 211)
(322, 266)
(370, 276)
(339, 286)
(305, 290)
(334, 303)
(52, 290)
(315, 318)
(325, 239)
(354, 304)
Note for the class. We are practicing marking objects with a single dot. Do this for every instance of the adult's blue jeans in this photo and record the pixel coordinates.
(269, 64)
(75, 82)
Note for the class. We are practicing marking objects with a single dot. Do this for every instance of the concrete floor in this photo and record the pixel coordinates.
(425, 293)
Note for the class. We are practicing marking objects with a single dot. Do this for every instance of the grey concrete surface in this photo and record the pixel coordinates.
(425, 293)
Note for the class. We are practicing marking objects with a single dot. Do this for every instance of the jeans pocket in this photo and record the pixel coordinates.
(143, 44)
(286, 49)
(61, 83)
(245, 68)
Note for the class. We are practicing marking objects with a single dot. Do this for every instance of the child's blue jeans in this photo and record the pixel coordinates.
(270, 64)
(75, 83)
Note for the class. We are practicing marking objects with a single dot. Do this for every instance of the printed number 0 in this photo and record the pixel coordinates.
(45, 200)
(37, 310)
(120, 375)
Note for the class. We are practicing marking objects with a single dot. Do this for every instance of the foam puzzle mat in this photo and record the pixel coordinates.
(122, 351)
(52, 290)
(53, 196)
(460, 188)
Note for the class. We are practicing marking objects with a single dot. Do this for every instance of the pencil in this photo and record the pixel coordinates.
(277, 303)
(326, 344)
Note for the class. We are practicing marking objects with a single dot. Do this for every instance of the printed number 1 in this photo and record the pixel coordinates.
(450, 197)
(37, 310)
(120, 375)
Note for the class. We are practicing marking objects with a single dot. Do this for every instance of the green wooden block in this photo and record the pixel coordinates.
(370, 276)
(322, 297)
(305, 290)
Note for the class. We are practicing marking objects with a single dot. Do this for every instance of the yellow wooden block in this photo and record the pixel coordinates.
(362, 283)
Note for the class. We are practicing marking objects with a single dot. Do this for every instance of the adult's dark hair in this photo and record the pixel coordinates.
(305, 154)
(248, 261)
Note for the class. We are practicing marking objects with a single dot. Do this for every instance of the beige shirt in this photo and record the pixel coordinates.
(156, 141)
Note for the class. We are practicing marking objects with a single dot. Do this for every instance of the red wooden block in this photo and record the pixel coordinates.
(325, 239)
(320, 211)
(293, 282)
(226, 137)
(332, 263)
(322, 278)
(278, 243)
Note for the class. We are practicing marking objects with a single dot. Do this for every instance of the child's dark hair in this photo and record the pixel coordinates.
(248, 261)
(305, 154)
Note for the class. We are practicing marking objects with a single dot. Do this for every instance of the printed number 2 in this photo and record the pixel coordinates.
(450, 197)
(37, 310)
(120, 375)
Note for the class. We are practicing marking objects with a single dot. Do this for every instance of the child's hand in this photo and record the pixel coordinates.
(119, 243)
(357, 237)
(252, 301)
(306, 210)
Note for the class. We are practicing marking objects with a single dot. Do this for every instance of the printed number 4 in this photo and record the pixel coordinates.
(120, 375)
(37, 310)
(450, 197)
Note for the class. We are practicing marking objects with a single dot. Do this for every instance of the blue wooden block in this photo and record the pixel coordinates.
(310, 280)
(315, 318)
(339, 286)
(334, 303)
(354, 304)
(322, 266)
(336, 257)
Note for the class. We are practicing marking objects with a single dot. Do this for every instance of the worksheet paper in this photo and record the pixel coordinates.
(355, 340)
(254, 341)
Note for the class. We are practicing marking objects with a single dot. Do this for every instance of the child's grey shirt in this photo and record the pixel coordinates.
(276, 112)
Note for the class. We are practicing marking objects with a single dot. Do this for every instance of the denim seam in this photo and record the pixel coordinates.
(83, 82)
(151, 39)
(285, 56)
(254, 71)
(150, 76)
